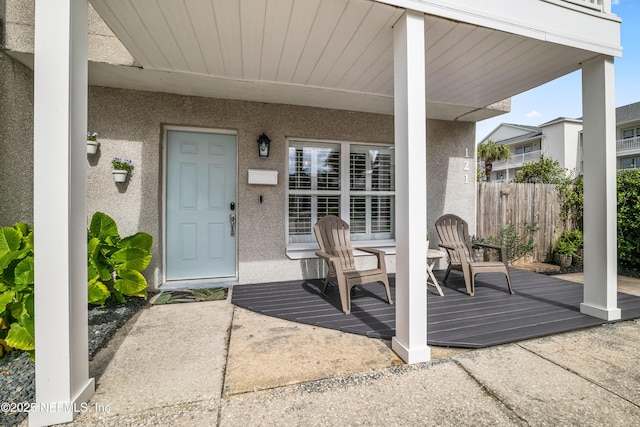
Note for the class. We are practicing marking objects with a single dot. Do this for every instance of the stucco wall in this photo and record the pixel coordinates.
(103, 45)
(448, 191)
(130, 124)
(16, 142)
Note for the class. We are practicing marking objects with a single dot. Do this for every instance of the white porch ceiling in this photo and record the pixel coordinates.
(324, 53)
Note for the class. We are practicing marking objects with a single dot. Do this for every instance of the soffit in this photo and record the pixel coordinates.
(324, 53)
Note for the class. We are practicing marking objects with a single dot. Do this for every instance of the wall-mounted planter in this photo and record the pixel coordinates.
(92, 147)
(120, 175)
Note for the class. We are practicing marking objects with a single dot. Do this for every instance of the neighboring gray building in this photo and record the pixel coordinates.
(561, 140)
(628, 136)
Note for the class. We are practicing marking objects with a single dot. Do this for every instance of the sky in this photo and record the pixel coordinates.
(563, 97)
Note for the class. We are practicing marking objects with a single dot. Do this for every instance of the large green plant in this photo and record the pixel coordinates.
(569, 243)
(571, 195)
(543, 171)
(516, 245)
(16, 289)
(114, 268)
(115, 264)
(629, 216)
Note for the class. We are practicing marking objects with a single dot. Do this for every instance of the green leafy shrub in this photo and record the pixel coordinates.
(571, 194)
(543, 171)
(16, 289)
(516, 245)
(569, 243)
(575, 237)
(565, 247)
(570, 188)
(629, 216)
(114, 267)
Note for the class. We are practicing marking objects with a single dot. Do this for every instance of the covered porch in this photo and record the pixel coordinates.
(542, 305)
(419, 61)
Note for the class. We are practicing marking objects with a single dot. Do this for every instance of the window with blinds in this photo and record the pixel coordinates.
(371, 199)
(353, 181)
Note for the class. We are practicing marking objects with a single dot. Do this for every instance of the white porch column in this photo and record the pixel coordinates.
(410, 342)
(60, 126)
(600, 207)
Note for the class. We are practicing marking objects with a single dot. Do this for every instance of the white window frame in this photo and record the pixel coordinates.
(528, 148)
(308, 249)
(635, 132)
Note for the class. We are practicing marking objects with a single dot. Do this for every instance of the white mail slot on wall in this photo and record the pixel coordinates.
(263, 177)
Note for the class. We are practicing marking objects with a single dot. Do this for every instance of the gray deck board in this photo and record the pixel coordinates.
(543, 305)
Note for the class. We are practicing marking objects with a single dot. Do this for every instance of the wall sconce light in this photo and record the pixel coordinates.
(263, 145)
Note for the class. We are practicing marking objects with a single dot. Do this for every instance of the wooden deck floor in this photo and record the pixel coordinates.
(543, 305)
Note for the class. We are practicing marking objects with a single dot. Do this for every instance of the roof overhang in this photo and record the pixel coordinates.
(339, 53)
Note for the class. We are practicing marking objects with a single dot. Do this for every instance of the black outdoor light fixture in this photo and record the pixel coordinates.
(263, 145)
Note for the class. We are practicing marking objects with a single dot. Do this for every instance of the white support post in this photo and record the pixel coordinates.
(60, 126)
(410, 342)
(600, 248)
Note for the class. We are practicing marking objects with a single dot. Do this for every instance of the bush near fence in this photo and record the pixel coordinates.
(501, 204)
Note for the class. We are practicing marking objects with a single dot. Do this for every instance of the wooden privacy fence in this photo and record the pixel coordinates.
(501, 204)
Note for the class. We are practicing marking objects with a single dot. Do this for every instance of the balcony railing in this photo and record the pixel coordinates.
(517, 160)
(628, 145)
(601, 5)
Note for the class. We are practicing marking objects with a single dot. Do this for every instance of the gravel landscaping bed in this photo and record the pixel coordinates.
(17, 379)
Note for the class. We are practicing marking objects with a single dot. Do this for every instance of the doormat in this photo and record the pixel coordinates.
(191, 295)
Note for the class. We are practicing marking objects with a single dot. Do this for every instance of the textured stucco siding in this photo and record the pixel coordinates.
(16, 142)
(448, 191)
(131, 124)
(103, 45)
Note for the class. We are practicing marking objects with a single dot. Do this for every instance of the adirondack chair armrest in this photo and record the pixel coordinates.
(502, 252)
(332, 260)
(378, 253)
(486, 245)
(444, 245)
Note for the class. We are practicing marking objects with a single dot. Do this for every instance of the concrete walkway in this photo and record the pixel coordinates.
(212, 364)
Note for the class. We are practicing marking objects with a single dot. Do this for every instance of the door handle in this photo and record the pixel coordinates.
(232, 221)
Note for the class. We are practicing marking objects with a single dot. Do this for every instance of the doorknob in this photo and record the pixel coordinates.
(232, 220)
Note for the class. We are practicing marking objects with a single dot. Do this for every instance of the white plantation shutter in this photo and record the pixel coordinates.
(372, 187)
(314, 187)
(358, 215)
(318, 186)
(381, 214)
(299, 215)
(382, 177)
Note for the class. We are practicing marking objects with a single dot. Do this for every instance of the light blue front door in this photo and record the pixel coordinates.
(201, 192)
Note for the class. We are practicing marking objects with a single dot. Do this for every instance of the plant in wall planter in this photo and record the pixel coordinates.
(92, 143)
(121, 169)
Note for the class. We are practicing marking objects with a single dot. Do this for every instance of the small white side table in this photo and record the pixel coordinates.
(433, 255)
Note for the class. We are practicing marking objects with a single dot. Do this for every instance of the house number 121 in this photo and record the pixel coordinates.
(465, 166)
